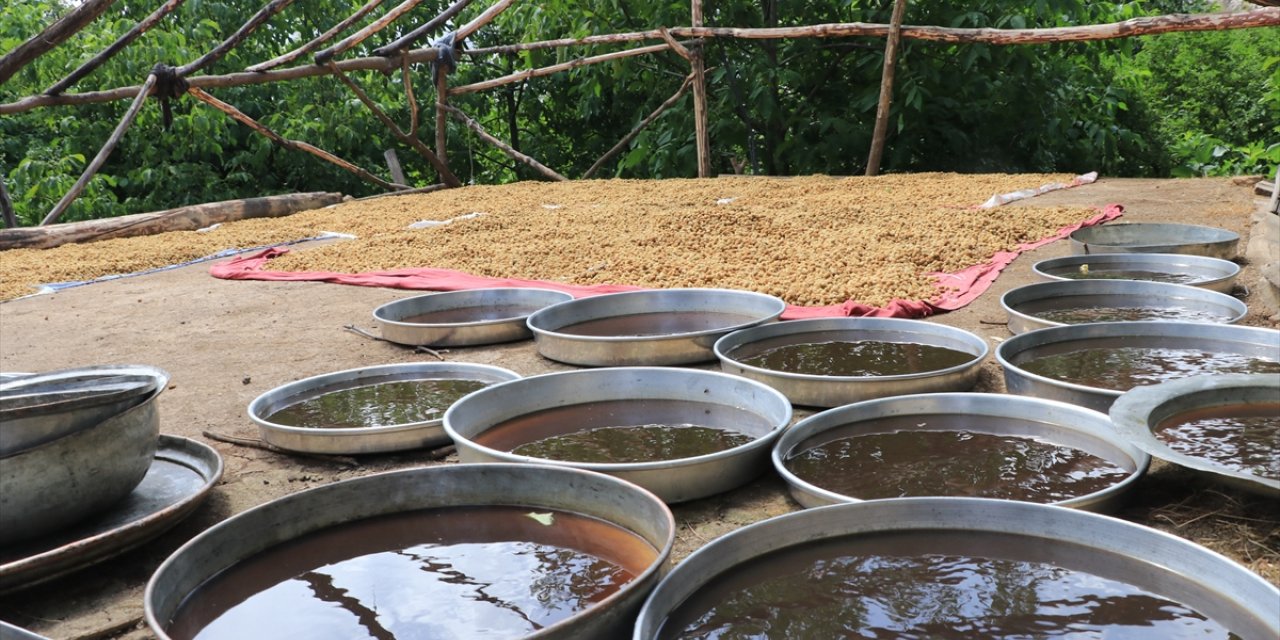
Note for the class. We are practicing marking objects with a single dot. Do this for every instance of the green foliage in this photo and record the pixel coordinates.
(1184, 104)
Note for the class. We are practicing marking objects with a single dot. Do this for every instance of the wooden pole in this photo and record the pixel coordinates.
(635, 131)
(374, 63)
(407, 80)
(700, 98)
(115, 47)
(319, 40)
(393, 165)
(442, 117)
(6, 206)
(446, 176)
(52, 36)
(296, 145)
(105, 151)
(265, 13)
(611, 38)
(484, 18)
(886, 87)
(504, 147)
(409, 38)
(180, 219)
(521, 76)
(356, 38)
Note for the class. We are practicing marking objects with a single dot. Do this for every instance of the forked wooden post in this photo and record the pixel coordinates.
(886, 88)
(700, 98)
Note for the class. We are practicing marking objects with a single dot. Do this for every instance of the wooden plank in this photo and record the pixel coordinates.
(180, 219)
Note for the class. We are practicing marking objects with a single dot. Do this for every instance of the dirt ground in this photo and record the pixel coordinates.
(225, 342)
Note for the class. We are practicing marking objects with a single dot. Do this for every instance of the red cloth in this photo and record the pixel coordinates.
(955, 289)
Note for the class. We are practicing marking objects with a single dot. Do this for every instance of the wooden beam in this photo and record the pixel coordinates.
(610, 38)
(446, 176)
(240, 79)
(484, 18)
(504, 147)
(886, 87)
(265, 13)
(442, 117)
(1268, 17)
(635, 131)
(52, 36)
(408, 39)
(296, 145)
(520, 76)
(701, 135)
(180, 219)
(115, 47)
(318, 40)
(6, 206)
(356, 38)
(103, 153)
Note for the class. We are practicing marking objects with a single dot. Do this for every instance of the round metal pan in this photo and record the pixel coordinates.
(365, 439)
(998, 414)
(1151, 560)
(629, 350)
(45, 407)
(1214, 274)
(391, 317)
(672, 480)
(72, 477)
(1022, 304)
(180, 477)
(1018, 350)
(1156, 237)
(1137, 413)
(537, 487)
(833, 391)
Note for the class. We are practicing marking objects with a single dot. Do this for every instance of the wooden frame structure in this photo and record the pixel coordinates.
(687, 42)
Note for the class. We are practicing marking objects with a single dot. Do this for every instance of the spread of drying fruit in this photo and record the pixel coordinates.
(812, 240)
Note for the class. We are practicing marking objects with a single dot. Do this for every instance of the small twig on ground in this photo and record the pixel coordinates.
(993, 321)
(440, 453)
(254, 443)
(110, 631)
(429, 351)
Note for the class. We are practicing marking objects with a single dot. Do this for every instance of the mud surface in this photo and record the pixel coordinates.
(225, 342)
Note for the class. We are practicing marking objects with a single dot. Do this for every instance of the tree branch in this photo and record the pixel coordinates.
(555, 68)
(479, 21)
(52, 36)
(319, 40)
(356, 38)
(245, 30)
(115, 47)
(408, 39)
(622, 144)
(504, 147)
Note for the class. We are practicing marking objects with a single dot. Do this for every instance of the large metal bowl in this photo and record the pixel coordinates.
(1151, 560)
(997, 414)
(1137, 414)
(537, 487)
(1018, 350)
(61, 481)
(38, 408)
(629, 350)
(1214, 274)
(718, 396)
(519, 303)
(396, 437)
(833, 391)
(1023, 303)
(1156, 237)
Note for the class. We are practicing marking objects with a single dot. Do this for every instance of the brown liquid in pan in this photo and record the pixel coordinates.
(461, 572)
(471, 314)
(1123, 368)
(856, 358)
(656, 324)
(931, 585)
(1244, 437)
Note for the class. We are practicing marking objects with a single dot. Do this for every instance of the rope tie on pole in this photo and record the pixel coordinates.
(169, 84)
(445, 58)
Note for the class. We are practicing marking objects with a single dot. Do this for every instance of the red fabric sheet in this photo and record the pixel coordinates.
(955, 289)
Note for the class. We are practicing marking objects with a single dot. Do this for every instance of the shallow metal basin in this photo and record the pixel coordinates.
(1137, 413)
(998, 414)
(1214, 274)
(672, 480)
(833, 391)
(391, 317)
(1156, 237)
(1020, 349)
(1149, 559)
(61, 481)
(364, 439)
(44, 407)
(538, 487)
(1023, 303)
(669, 349)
